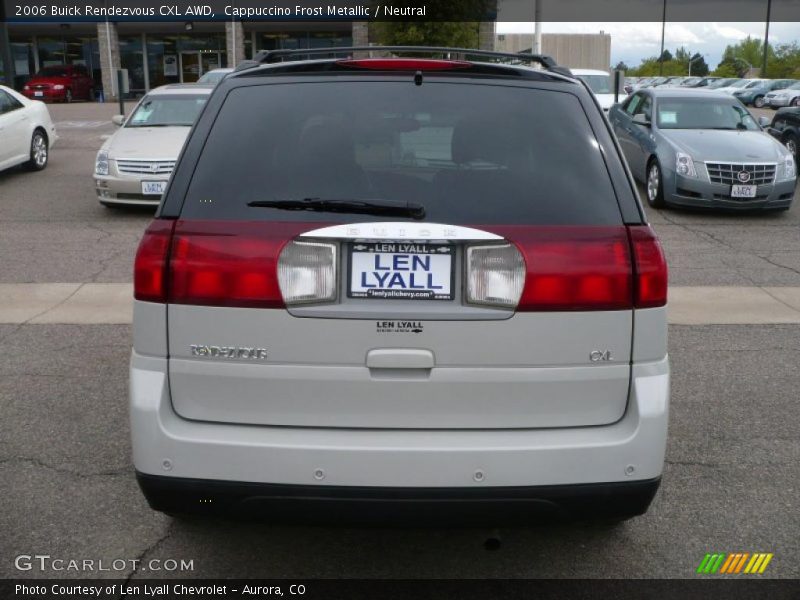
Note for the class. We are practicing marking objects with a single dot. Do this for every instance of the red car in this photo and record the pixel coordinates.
(60, 82)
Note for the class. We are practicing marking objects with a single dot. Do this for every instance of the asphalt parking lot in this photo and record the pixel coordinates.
(731, 481)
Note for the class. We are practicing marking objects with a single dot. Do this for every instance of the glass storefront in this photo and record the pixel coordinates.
(32, 53)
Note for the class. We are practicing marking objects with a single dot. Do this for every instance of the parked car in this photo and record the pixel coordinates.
(134, 165)
(601, 83)
(698, 82)
(789, 96)
(785, 127)
(702, 149)
(754, 94)
(723, 83)
(387, 291)
(736, 86)
(63, 83)
(26, 131)
(214, 76)
(672, 82)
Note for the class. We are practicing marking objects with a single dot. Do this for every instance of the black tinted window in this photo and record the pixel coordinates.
(470, 154)
(8, 103)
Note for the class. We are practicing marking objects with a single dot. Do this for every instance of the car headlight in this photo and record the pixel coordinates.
(684, 165)
(789, 167)
(101, 163)
(58, 86)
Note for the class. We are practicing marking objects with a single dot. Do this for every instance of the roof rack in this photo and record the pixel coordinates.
(274, 56)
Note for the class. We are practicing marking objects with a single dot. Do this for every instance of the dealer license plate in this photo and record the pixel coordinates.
(153, 188)
(743, 191)
(401, 271)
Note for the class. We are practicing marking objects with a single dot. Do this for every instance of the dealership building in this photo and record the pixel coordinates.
(157, 53)
(160, 52)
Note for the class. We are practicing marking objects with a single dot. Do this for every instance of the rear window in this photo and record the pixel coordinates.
(471, 154)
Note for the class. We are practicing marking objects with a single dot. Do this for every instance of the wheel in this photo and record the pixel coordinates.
(39, 154)
(655, 185)
(758, 101)
(68, 96)
(792, 145)
(796, 102)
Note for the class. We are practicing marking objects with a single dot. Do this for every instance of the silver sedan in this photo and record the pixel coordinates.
(702, 149)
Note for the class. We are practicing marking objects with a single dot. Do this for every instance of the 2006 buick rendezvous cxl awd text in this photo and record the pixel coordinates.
(385, 288)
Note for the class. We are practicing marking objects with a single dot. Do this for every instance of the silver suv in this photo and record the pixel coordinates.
(385, 288)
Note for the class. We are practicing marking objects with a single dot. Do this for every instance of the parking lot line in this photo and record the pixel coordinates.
(111, 303)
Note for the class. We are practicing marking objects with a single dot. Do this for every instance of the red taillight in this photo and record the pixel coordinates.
(573, 268)
(404, 64)
(228, 263)
(650, 267)
(150, 265)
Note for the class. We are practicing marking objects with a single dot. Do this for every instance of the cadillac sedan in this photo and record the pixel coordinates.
(702, 149)
(134, 165)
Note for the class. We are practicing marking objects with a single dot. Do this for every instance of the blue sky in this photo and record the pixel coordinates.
(631, 42)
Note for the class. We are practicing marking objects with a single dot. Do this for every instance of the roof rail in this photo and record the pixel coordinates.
(274, 56)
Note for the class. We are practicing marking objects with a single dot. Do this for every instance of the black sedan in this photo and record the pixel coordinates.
(785, 127)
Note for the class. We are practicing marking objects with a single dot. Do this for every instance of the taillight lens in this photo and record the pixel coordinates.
(150, 265)
(650, 266)
(573, 268)
(307, 272)
(495, 275)
(228, 263)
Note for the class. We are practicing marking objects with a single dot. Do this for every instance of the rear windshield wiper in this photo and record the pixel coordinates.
(388, 208)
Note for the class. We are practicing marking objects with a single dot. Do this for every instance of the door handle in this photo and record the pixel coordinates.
(400, 358)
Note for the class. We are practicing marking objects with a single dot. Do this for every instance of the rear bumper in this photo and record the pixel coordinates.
(330, 504)
(166, 445)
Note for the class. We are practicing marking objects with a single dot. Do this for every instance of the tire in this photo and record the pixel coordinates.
(39, 153)
(654, 185)
(758, 101)
(796, 102)
(68, 96)
(793, 144)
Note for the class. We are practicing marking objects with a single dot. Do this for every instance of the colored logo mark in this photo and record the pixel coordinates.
(735, 563)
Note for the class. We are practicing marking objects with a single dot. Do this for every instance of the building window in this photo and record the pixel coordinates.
(24, 61)
(131, 57)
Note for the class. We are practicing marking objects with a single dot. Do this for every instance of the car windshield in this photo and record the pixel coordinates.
(754, 84)
(165, 111)
(691, 81)
(53, 72)
(468, 153)
(599, 84)
(702, 113)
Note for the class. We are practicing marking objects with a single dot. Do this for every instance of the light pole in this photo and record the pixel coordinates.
(766, 41)
(663, 29)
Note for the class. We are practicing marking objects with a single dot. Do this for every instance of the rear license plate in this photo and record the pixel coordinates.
(401, 271)
(743, 191)
(153, 188)
(38, 94)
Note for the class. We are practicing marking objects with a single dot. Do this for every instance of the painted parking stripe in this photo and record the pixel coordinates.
(111, 303)
(81, 124)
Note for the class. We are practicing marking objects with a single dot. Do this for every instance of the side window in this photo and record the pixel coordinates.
(633, 103)
(645, 108)
(8, 103)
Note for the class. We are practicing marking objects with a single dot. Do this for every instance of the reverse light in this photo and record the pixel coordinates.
(101, 163)
(307, 272)
(684, 165)
(495, 275)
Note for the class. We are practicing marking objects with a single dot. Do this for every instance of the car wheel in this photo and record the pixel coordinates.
(68, 96)
(796, 102)
(758, 101)
(655, 185)
(39, 153)
(792, 144)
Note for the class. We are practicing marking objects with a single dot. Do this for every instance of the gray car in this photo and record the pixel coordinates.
(702, 149)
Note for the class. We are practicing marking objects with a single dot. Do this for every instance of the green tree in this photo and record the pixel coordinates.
(426, 33)
(666, 56)
(699, 66)
(621, 66)
(725, 70)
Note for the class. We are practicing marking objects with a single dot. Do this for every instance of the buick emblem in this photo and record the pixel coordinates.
(743, 176)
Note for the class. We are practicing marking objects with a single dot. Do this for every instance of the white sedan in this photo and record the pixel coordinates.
(26, 131)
